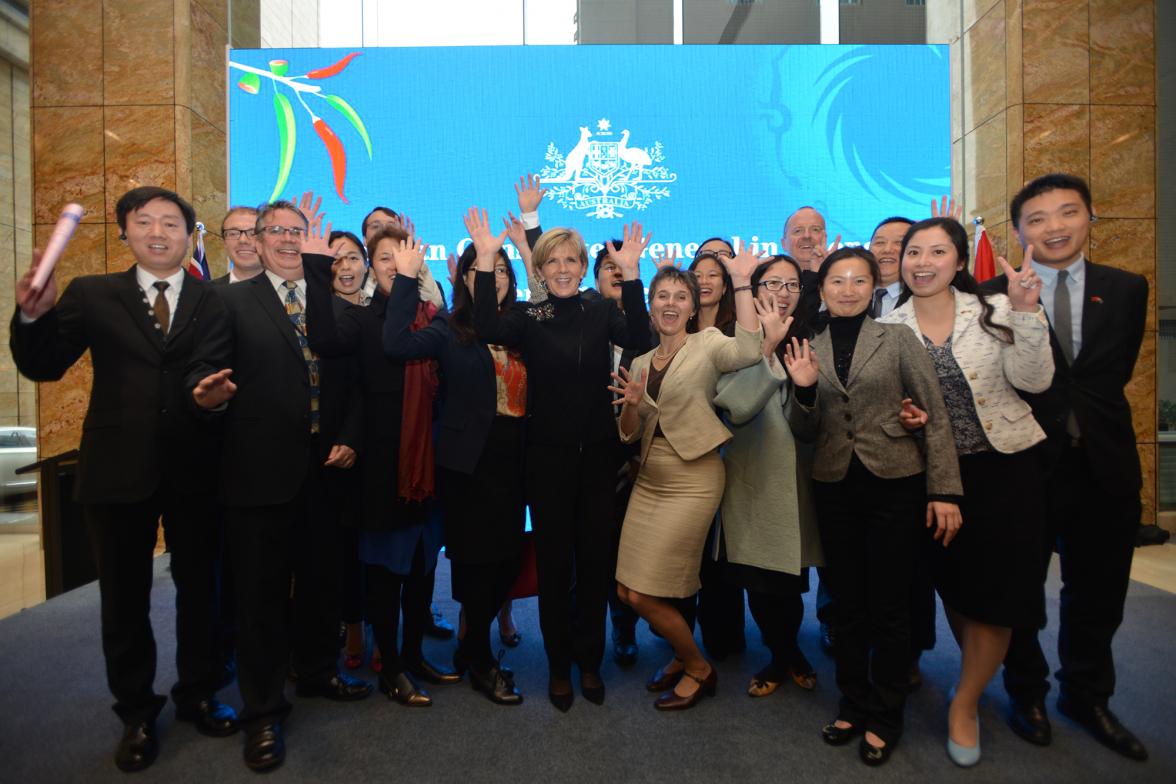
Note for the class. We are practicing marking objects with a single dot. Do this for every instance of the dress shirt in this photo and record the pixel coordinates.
(279, 284)
(1077, 286)
(147, 282)
(890, 298)
(530, 220)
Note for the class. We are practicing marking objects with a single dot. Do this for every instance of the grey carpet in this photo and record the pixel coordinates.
(57, 725)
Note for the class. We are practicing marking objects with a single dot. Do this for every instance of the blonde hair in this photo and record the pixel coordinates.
(552, 239)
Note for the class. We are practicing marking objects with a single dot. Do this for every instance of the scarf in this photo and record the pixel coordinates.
(415, 480)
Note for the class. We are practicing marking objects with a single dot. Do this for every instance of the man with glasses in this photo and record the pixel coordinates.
(285, 413)
(238, 229)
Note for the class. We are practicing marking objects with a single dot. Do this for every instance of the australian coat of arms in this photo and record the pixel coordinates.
(604, 176)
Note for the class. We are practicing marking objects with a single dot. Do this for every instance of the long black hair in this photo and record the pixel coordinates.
(802, 313)
(725, 315)
(963, 280)
(461, 319)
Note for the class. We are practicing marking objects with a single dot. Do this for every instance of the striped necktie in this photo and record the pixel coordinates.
(298, 318)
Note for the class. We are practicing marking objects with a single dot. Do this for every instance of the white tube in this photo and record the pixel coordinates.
(62, 232)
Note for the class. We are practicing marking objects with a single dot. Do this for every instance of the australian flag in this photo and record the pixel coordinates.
(198, 266)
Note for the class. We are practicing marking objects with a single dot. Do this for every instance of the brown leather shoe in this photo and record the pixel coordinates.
(670, 701)
(663, 680)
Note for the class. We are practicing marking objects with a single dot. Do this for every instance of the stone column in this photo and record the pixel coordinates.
(1062, 85)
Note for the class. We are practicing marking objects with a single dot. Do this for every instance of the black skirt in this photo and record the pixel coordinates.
(992, 571)
(485, 514)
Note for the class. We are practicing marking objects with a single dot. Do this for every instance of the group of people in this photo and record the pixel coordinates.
(868, 411)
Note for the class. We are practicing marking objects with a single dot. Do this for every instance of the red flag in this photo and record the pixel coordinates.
(984, 267)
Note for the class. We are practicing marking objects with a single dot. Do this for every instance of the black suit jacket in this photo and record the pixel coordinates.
(139, 430)
(1114, 312)
(267, 439)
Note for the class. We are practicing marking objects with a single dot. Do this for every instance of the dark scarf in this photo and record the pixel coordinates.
(415, 479)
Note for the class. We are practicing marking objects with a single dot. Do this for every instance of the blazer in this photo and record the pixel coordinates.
(768, 516)
(267, 441)
(861, 416)
(1114, 312)
(685, 405)
(995, 370)
(471, 400)
(138, 431)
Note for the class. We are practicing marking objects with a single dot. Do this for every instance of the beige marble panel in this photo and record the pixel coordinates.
(22, 151)
(216, 9)
(1141, 390)
(246, 24)
(7, 197)
(66, 48)
(984, 69)
(1056, 51)
(207, 167)
(944, 22)
(1122, 51)
(1148, 456)
(1014, 68)
(207, 54)
(1123, 160)
(86, 254)
(182, 32)
(957, 172)
(183, 132)
(214, 248)
(1015, 150)
(118, 255)
(984, 171)
(1057, 139)
(140, 150)
(972, 10)
(956, 69)
(1129, 244)
(137, 69)
(67, 160)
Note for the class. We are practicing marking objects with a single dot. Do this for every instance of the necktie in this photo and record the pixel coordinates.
(876, 305)
(298, 319)
(1062, 325)
(160, 308)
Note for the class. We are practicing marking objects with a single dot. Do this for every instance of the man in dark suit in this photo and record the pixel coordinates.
(238, 230)
(1097, 315)
(143, 454)
(287, 423)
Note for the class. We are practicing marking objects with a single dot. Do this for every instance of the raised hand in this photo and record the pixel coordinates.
(801, 363)
(530, 193)
(309, 206)
(1024, 285)
(947, 209)
(515, 231)
(775, 328)
(215, 390)
(485, 242)
(341, 456)
(318, 237)
(406, 224)
(451, 262)
(34, 303)
(409, 256)
(741, 265)
(946, 518)
(669, 259)
(629, 390)
(911, 417)
(628, 257)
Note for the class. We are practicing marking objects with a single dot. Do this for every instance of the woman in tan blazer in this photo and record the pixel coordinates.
(667, 401)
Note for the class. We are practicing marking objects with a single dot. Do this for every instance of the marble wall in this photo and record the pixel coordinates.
(1062, 85)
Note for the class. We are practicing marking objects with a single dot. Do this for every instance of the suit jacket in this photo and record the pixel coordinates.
(1114, 312)
(223, 280)
(995, 370)
(861, 416)
(267, 440)
(138, 430)
(685, 404)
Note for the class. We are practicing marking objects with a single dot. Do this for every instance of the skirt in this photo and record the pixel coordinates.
(670, 511)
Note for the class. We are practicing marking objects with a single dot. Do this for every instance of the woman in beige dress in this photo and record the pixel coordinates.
(667, 402)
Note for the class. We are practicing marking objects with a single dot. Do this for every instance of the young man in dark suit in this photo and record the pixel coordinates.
(143, 455)
(1097, 315)
(289, 420)
(239, 232)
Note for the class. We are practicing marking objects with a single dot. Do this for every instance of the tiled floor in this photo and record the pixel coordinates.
(1156, 566)
(22, 572)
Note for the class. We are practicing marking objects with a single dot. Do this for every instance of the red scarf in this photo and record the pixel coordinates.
(415, 474)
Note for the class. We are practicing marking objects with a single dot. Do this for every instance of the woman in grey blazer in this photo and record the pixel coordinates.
(984, 348)
(874, 489)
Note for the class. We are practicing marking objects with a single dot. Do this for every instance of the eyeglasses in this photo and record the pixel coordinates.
(501, 272)
(297, 232)
(354, 258)
(236, 234)
(714, 254)
(775, 284)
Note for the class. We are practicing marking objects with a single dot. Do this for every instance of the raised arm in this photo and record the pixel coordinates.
(803, 409)
(506, 329)
(47, 339)
(631, 329)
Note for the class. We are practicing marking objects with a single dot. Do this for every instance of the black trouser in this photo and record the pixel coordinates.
(226, 628)
(570, 490)
(717, 607)
(779, 619)
(269, 546)
(482, 589)
(868, 530)
(922, 605)
(352, 595)
(123, 539)
(1094, 533)
(391, 596)
(624, 617)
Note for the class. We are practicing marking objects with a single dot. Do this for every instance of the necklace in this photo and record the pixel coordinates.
(657, 355)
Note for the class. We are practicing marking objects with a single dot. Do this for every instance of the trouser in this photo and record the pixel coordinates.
(482, 589)
(922, 606)
(351, 610)
(1094, 533)
(391, 596)
(868, 530)
(570, 490)
(624, 617)
(226, 613)
(779, 619)
(123, 538)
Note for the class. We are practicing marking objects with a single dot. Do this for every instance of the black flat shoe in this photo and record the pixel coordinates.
(562, 698)
(265, 748)
(662, 680)
(874, 755)
(138, 747)
(432, 673)
(497, 683)
(592, 687)
(403, 689)
(839, 736)
(211, 717)
(340, 687)
(1029, 720)
(1104, 726)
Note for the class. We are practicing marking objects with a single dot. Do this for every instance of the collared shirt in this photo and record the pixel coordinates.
(1077, 288)
(147, 282)
(890, 298)
(233, 276)
(279, 284)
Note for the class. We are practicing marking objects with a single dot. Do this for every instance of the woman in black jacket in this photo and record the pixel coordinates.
(572, 441)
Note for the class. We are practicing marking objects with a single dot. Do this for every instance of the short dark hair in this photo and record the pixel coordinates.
(670, 274)
(601, 255)
(235, 209)
(368, 217)
(386, 233)
(891, 219)
(716, 239)
(841, 254)
(1044, 184)
(266, 210)
(346, 235)
(136, 198)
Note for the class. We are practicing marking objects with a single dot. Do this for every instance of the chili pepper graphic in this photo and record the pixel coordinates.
(331, 70)
(287, 136)
(336, 152)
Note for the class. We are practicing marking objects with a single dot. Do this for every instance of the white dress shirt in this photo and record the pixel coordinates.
(279, 284)
(147, 282)
(890, 298)
(1077, 288)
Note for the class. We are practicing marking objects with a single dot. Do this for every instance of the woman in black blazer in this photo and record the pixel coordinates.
(479, 452)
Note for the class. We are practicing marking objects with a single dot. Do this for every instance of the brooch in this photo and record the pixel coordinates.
(544, 311)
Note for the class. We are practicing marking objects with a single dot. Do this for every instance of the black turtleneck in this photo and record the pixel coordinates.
(843, 332)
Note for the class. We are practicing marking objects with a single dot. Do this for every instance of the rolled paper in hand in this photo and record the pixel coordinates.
(62, 232)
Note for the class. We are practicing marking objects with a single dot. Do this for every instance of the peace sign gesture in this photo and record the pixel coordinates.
(801, 363)
(1024, 285)
(629, 390)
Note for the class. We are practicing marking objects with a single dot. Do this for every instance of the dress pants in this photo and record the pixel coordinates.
(391, 596)
(923, 608)
(1094, 533)
(624, 617)
(571, 492)
(123, 539)
(270, 546)
(779, 619)
(868, 530)
(482, 589)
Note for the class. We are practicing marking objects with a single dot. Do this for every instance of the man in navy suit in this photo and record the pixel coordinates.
(1097, 315)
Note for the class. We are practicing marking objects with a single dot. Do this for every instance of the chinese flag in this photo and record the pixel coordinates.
(984, 266)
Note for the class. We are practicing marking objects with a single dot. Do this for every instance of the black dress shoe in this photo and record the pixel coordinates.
(436, 626)
(211, 717)
(1104, 726)
(403, 689)
(839, 736)
(559, 691)
(827, 640)
(497, 683)
(1029, 720)
(341, 687)
(625, 652)
(138, 748)
(592, 687)
(265, 749)
(432, 673)
(874, 755)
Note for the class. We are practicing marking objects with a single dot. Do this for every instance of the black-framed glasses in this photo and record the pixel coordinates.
(775, 284)
(236, 234)
(296, 232)
(717, 255)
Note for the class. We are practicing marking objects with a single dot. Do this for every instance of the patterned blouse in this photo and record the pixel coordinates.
(957, 395)
(511, 376)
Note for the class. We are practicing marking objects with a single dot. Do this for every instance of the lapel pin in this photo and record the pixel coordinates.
(1097, 300)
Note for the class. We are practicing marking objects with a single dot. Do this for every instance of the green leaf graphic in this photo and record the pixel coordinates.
(250, 83)
(287, 135)
(352, 117)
